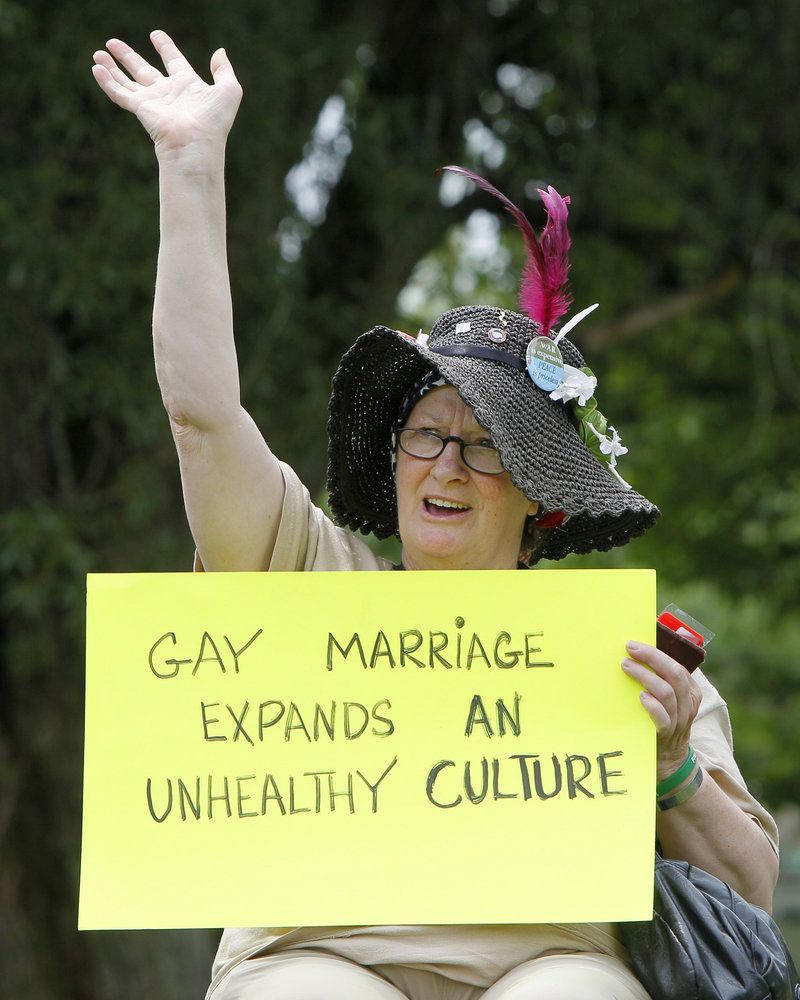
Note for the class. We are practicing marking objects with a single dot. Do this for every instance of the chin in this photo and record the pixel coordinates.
(433, 558)
(439, 547)
(447, 557)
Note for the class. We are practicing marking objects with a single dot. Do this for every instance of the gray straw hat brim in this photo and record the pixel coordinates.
(536, 436)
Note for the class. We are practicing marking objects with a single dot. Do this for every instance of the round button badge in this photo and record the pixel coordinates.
(545, 364)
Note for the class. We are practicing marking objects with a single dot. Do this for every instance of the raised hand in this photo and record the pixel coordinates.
(187, 119)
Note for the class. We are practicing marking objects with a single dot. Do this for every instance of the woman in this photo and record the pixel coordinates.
(449, 439)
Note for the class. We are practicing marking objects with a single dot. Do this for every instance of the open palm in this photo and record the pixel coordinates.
(181, 112)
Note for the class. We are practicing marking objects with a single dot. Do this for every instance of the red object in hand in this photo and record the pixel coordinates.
(678, 640)
(683, 630)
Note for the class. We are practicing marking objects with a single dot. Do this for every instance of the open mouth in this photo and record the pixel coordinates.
(444, 508)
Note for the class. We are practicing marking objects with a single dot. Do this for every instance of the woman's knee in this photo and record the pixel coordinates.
(304, 976)
(577, 976)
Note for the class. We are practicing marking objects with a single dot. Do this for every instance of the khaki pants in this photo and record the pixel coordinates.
(310, 975)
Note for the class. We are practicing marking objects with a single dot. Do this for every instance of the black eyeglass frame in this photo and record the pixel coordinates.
(445, 441)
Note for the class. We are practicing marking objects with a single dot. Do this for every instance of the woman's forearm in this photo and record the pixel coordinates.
(710, 831)
(193, 315)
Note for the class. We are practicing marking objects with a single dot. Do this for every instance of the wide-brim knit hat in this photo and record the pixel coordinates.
(481, 351)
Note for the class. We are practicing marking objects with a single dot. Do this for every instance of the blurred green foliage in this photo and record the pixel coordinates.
(672, 128)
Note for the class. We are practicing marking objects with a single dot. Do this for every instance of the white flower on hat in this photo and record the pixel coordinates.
(575, 384)
(613, 447)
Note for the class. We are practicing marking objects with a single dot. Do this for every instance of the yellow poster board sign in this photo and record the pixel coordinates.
(275, 749)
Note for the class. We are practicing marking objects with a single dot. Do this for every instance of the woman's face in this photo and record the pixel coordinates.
(451, 517)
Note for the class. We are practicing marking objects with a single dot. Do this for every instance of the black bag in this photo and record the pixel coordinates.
(707, 943)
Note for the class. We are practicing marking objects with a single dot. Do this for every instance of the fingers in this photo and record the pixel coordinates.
(118, 85)
(111, 80)
(172, 57)
(659, 663)
(139, 68)
(670, 694)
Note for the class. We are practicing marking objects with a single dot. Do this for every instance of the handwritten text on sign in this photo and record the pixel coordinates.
(361, 748)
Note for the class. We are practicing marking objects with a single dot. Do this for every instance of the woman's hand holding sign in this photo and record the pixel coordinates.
(671, 697)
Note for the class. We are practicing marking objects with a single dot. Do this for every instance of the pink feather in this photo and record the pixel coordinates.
(543, 293)
(543, 290)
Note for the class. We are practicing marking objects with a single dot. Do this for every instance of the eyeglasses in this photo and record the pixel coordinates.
(420, 442)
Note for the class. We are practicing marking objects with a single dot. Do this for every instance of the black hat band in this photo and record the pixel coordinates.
(479, 351)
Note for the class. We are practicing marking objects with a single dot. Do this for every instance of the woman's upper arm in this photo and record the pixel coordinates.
(233, 491)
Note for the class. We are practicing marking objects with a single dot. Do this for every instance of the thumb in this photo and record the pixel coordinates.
(221, 67)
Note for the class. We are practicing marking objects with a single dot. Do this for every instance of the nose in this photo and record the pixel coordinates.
(449, 466)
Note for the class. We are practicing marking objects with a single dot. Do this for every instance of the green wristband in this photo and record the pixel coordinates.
(675, 780)
(684, 794)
